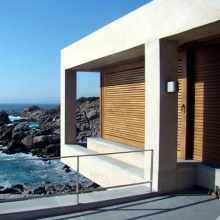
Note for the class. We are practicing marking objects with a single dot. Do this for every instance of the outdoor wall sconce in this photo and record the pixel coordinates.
(171, 86)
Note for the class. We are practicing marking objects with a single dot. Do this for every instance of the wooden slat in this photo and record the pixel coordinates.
(182, 100)
(207, 105)
(123, 104)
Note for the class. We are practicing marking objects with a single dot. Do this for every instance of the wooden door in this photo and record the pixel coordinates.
(182, 106)
(207, 104)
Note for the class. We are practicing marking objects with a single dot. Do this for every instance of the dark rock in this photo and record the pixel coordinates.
(49, 119)
(53, 149)
(88, 123)
(40, 190)
(18, 135)
(45, 140)
(28, 141)
(91, 114)
(66, 168)
(37, 151)
(19, 186)
(46, 182)
(11, 190)
(4, 119)
(21, 127)
(6, 132)
(15, 147)
(29, 109)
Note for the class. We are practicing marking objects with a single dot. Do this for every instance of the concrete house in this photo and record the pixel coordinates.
(160, 90)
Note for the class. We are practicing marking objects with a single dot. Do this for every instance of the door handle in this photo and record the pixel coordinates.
(183, 109)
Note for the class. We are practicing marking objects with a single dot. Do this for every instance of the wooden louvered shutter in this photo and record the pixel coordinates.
(182, 106)
(207, 105)
(123, 104)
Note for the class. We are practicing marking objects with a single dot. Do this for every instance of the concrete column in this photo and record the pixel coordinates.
(161, 112)
(68, 107)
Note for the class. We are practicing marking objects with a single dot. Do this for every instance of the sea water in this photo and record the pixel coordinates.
(19, 107)
(33, 173)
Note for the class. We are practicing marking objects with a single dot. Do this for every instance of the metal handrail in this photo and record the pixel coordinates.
(79, 155)
(78, 191)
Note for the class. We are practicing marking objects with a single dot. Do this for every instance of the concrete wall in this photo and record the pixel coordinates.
(161, 112)
(103, 170)
(186, 174)
(155, 20)
(208, 177)
(101, 146)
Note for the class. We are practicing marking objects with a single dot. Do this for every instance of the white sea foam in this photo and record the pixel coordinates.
(15, 118)
(18, 119)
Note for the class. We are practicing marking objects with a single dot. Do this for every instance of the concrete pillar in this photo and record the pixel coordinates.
(68, 107)
(161, 112)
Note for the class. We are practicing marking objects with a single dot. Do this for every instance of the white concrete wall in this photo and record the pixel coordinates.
(103, 170)
(208, 177)
(161, 112)
(155, 20)
(101, 146)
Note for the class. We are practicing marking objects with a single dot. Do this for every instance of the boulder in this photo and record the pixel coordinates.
(15, 147)
(17, 189)
(4, 119)
(52, 150)
(45, 140)
(6, 132)
(40, 190)
(91, 114)
(27, 141)
(66, 168)
(21, 127)
(48, 118)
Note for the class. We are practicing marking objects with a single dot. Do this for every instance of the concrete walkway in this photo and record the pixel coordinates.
(188, 205)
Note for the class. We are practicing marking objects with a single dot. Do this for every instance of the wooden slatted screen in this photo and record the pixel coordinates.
(123, 104)
(179, 72)
(207, 105)
(182, 106)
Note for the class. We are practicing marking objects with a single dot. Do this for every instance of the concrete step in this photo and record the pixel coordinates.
(104, 170)
(100, 145)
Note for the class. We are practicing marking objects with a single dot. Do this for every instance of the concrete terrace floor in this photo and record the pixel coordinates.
(189, 204)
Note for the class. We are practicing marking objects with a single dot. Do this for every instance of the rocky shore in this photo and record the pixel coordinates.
(45, 141)
(19, 191)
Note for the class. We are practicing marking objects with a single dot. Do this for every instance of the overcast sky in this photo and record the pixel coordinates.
(32, 33)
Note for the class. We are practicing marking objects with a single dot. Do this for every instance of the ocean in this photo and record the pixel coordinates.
(31, 173)
(19, 107)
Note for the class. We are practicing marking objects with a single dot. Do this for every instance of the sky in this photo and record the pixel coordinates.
(32, 34)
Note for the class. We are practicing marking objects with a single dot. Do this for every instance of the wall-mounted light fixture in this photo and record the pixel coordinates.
(171, 86)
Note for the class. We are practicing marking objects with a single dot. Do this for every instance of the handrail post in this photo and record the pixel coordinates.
(77, 186)
(151, 171)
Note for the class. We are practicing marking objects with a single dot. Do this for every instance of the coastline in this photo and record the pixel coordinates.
(44, 141)
(18, 108)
